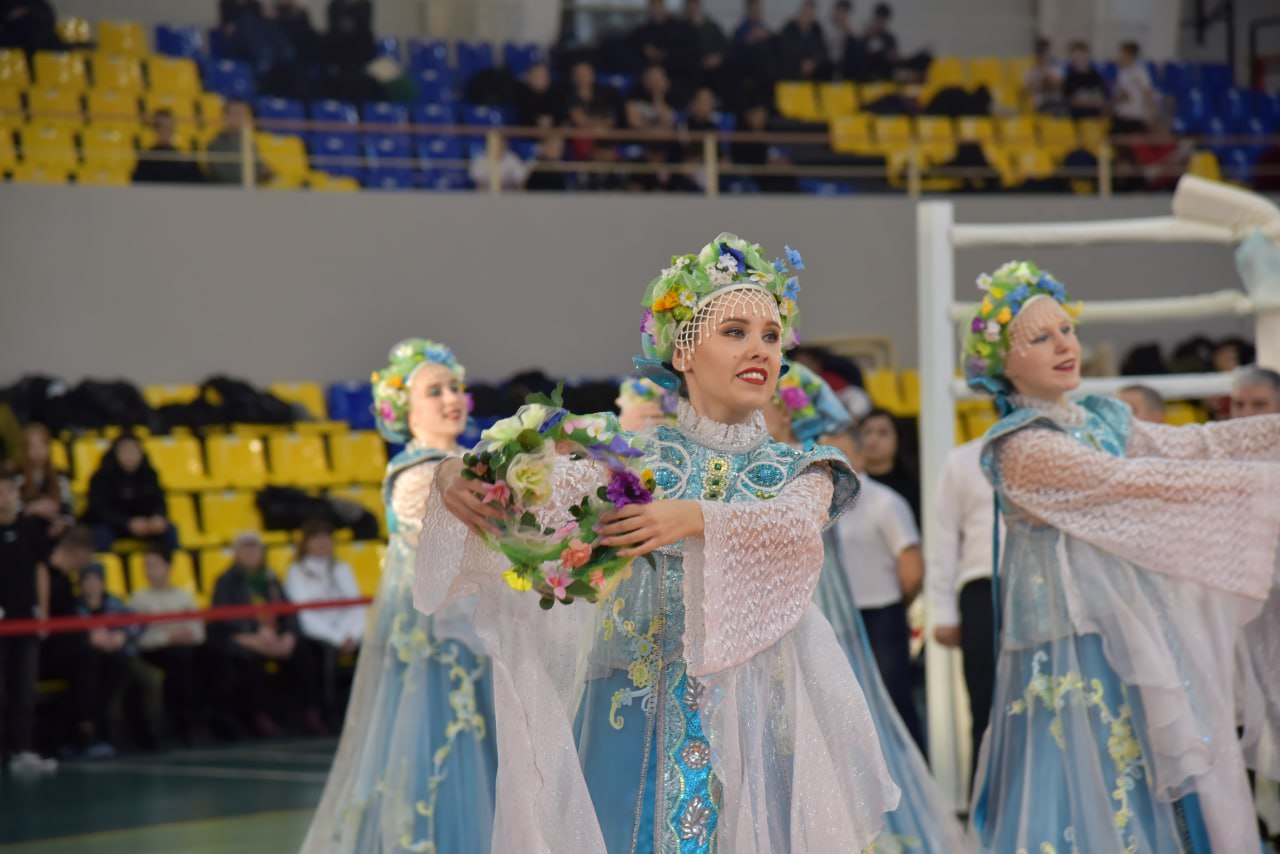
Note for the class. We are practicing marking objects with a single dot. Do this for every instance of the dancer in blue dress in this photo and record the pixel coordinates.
(1135, 554)
(415, 769)
(705, 704)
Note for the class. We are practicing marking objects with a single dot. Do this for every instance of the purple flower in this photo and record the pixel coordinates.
(646, 322)
(736, 255)
(977, 325)
(794, 397)
(625, 488)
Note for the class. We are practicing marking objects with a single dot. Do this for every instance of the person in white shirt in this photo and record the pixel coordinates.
(317, 576)
(958, 585)
(877, 545)
(172, 647)
(1133, 102)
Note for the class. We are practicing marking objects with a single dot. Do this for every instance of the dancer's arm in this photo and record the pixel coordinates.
(1256, 438)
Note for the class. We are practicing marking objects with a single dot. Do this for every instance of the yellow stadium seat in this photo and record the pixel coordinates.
(978, 421)
(837, 99)
(1057, 134)
(14, 70)
(1017, 130)
(324, 427)
(178, 461)
(39, 173)
(1033, 163)
(326, 183)
(108, 148)
(113, 574)
(226, 514)
(358, 457)
(58, 456)
(280, 557)
(310, 396)
(366, 563)
(165, 395)
(798, 100)
(210, 106)
(1204, 164)
(1092, 133)
(8, 153)
(11, 115)
(937, 138)
(945, 71)
(123, 37)
(75, 31)
(174, 76)
(910, 384)
(182, 513)
(49, 146)
(236, 461)
(65, 70)
(882, 386)
(103, 176)
(852, 134)
(182, 573)
(213, 562)
(975, 129)
(298, 460)
(123, 73)
(869, 93)
(1179, 412)
(1015, 74)
(55, 105)
(86, 455)
(893, 133)
(986, 71)
(368, 497)
(108, 108)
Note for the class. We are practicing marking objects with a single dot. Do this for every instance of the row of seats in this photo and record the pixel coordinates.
(198, 571)
(81, 72)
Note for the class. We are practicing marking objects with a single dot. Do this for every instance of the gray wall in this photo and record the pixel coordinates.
(171, 284)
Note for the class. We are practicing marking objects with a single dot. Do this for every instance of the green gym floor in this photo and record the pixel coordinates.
(243, 798)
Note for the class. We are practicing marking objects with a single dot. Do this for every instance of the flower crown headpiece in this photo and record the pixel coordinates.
(673, 300)
(636, 390)
(391, 384)
(814, 408)
(1006, 292)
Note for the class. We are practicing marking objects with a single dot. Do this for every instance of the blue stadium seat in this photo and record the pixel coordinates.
(388, 46)
(230, 78)
(280, 109)
(435, 85)
(1216, 77)
(217, 43)
(428, 53)
(740, 186)
(474, 57)
(520, 58)
(525, 149)
(1178, 77)
(389, 179)
(336, 153)
(484, 115)
(386, 151)
(432, 114)
(1193, 110)
(433, 149)
(1108, 71)
(179, 40)
(334, 112)
(818, 187)
(624, 83)
(1237, 163)
(351, 402)
(445, 179)
(382, 113)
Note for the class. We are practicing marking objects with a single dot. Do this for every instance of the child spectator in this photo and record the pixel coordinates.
(125, 498)
(1043, 81)
(45, 491)
(1084, 89)
(171, 647)
(1133, 104)
(23, 545)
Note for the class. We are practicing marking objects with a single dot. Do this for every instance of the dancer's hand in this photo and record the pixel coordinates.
(642, 528)
(463, 499)
(948, 636)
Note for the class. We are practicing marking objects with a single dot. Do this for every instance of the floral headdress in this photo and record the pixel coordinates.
(677, 301)
(812, 405)
(391, 384)
(1006, 292)
(636, 390)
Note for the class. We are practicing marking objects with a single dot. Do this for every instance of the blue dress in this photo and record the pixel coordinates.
(415, 768)
(1070, 762)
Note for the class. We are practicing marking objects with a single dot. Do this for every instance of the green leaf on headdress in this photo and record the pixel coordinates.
(555, 400)
(530, 440)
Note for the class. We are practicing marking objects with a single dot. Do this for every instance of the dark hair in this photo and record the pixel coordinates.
(1149, 395)
(1246, 353)
(844, 6)
(1130, 48)
(883, 11)
(8, 472)
(78, 537)
(111, 463)
(1079, 45)
(160, 550)
(38, 482)
(878, 412)
(162, 113)
(1042, 45)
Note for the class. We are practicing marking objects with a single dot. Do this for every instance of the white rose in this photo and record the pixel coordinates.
(529, 477)
(530, 417)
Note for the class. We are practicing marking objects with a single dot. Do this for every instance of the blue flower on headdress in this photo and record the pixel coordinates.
(736, 255)
(1056, 290)
(779, 266)
(794, 257)
(792, 290)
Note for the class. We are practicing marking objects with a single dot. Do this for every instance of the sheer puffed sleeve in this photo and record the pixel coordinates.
(409, 494)
(1211, 522)
(1256, 439)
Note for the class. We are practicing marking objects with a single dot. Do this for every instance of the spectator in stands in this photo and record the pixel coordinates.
(663, 177)
(350, 36)
(1133, 102)
(1231, 353)
(92, 676)
(700, 117)
(512, 171)
(878, 432)
(1160, 158)
(666, 41)
(24, 544)
(10, 435)
(1255, 392)
(592, 106)
(877, 546)
(550, 151)
(753, 30)
(29, 25)
(649, 105)
(1083, 88)
(845, 47)
(318, 576)
(1146, 403)
(249, 34)
(753, 65)
(295, 22)
(242, 648)
(881, 45)
(46, 493)
(126, 499)
(755, 119)
(170, 647)
(163, 163)
(803, 47)
(226, 149)
(1042, 83)
(713, 45)
(538, 103)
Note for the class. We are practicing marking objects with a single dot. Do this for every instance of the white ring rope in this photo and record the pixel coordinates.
(1221, 303)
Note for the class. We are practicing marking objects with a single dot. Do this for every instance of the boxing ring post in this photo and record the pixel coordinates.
(1204, 212)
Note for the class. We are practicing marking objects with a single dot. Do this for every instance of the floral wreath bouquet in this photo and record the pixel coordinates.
(515, 463)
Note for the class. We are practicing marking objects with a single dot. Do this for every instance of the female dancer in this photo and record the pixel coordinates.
(1134, 554)
(711, 707)
(416, 764)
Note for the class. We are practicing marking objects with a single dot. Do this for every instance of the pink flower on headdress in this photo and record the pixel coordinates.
(559, 582)
(794, 397)
(646, 322)
(576, 554)
(496, 493)
(471, 402)
(387, 411)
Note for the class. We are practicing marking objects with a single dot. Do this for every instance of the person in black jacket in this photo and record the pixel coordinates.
(803, 46)
(126, 499)
(163, 163)
(242, 648)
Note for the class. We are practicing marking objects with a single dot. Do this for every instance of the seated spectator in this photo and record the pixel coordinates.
(803, 47)
(538, 104)
(884, 62)
(590, 105)
(46, 492)
(1256, 391)
(1232, 353)
(295, 22)
(755, 119)
(1160, 157)
(648, 105)
(753, 29)
(93, 675)
(226, 149)
(700, 117)
(350, 36)
(1146, 403)
(24, 545)
(664, 177)
(29, 25)
(163, 163)
(713, 46)
(242, 648)
(550, 151)
(1083, 88)
(1134, 100)
(126, 499)
(1042, 84)
(878, 434)
(171, 647)
(666, 41)
(512, 171)
(845, 48)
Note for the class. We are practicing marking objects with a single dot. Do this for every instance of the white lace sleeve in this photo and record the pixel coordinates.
(1256, 438)
(1211, 522)
(409, 499)
(750, 576)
